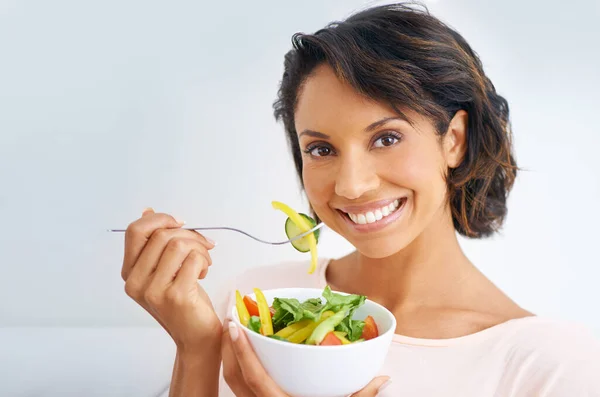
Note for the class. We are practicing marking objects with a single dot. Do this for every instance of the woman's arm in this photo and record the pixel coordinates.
(161, 267)
(197, 373)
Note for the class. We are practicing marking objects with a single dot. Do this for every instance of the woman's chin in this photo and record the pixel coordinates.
(379, 249)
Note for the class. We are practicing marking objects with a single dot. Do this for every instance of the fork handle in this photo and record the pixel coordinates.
(241, 231)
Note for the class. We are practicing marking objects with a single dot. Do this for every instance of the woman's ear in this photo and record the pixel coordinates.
(455, 140)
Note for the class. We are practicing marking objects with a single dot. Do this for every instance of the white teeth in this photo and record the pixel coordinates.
(370, 217)
(374, 216)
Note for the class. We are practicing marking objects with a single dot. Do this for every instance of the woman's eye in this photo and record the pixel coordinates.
(319, 151)
(386, 140)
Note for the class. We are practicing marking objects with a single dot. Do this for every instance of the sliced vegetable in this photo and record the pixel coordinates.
(242, 310)
(290, 329)
(304, 226)
(292, 230)
(303, 334)
(254, 324)
(251, 306)
(330, 340)
(326, 327)
(264, 313)
(278, 338)
(370, 330)
(342, 337)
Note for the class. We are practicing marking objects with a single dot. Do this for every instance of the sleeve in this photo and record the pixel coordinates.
(571, 368)
(576, 373)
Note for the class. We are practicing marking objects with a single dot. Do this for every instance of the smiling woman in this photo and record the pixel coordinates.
(401, 142)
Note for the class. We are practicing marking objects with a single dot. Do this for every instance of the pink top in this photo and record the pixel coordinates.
(531, 356)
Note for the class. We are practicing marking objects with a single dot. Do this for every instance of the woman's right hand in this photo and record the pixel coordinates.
(161, 268)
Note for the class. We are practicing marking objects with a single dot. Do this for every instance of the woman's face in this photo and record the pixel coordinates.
(369, 175)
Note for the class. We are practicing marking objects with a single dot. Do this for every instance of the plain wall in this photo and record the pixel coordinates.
(109, 107)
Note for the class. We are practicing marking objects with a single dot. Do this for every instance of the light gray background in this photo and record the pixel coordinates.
(107, 107)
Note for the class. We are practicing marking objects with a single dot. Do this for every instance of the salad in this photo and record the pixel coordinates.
(316, 321)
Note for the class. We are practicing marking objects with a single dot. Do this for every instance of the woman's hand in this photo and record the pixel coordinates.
(161, 268)
(246, 376)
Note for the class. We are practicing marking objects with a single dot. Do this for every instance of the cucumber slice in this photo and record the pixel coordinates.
(292, 230)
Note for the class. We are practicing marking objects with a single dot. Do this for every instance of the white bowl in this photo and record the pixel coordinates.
(323, 371)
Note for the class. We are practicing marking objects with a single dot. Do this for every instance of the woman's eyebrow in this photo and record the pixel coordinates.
(315, 134)
(383, 121)
(370, 127)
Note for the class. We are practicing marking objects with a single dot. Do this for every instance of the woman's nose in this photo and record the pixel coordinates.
(355, 176)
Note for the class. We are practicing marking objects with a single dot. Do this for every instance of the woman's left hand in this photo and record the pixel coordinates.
(246, 376)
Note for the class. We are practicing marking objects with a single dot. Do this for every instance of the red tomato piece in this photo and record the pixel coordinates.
(370, 331)
(330, 340)
(251, 306)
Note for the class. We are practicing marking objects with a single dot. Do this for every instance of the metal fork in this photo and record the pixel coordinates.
(320, 225)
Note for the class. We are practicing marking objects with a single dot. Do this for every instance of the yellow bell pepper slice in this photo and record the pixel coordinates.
(305, 227)
(290, 329)
(242, 310)
(303, 334)
(342, 337)
(266, 324)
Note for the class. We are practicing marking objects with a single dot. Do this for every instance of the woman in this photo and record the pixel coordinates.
(400, 141)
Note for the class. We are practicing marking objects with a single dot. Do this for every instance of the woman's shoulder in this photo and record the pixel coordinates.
(558, 337)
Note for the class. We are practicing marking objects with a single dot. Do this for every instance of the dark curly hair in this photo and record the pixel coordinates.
(403, 56)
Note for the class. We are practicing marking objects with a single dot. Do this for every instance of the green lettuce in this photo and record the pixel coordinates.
(352, 328)
(336, 301)
(291, 310)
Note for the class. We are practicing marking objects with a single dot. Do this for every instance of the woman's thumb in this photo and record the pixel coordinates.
(374, 387)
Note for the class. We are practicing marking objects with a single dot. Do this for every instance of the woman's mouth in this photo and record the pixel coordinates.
(376, 218)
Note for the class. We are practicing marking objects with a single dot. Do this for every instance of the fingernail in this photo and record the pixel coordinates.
(233, 331)
(147, 209)
(213, 242)
(384, 386)
(180, 222)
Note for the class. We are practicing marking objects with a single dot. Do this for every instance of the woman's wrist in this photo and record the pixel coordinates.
(200, 352)
(199, 343)
(197, 371)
